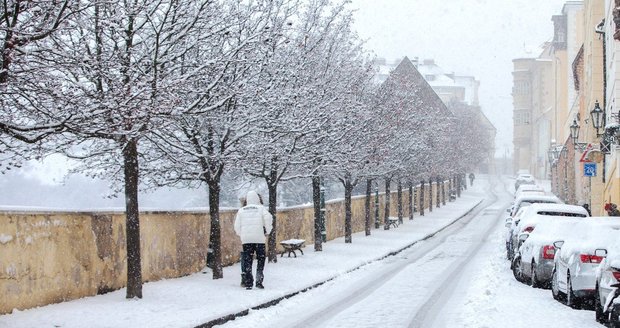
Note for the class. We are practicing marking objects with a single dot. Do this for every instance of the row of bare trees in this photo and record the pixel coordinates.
(178, 93)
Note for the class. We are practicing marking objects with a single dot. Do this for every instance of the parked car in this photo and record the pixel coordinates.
(576, 262)
(523, 202)
(526, 200)
(533, 261)
(509, 231)
(523, 171)
(529, 189)
(527, 222)
(524, 179)
(607, 291)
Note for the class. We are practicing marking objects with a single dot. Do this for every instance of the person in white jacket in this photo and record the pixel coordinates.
(252, 224)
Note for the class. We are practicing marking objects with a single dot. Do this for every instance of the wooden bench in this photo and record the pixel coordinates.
(392, 222)
(292, 245)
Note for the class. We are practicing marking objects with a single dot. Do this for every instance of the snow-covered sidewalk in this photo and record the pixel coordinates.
(198, 299)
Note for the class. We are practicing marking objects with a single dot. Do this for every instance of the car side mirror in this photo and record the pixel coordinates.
(558, 244)
(600, 252)
(508, 224)
(508, 210)
(523, 236)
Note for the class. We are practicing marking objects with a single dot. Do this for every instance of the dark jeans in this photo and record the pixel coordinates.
(249, 250)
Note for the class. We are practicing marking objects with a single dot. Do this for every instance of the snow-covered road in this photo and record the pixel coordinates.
(457, 278)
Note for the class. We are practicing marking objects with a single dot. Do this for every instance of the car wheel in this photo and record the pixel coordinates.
(534, 281)
(571, 299)
(516, 269)
(598, 307)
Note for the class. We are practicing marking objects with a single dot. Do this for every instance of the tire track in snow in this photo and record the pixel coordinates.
(429, 311)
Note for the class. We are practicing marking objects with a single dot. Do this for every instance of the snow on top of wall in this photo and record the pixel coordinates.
(5, 238)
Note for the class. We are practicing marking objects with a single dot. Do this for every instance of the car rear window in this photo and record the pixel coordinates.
(555, 213)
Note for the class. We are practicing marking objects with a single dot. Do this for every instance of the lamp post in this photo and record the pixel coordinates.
(598, 118)
(550, 156)
(574, 133)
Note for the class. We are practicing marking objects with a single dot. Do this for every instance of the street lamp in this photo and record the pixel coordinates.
(574, 133)
(551, 156)
(598, 118)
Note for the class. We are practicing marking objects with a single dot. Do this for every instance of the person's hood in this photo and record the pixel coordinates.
(252, 198)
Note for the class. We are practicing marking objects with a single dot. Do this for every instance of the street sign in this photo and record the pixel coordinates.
(589, 169)
(584, 155)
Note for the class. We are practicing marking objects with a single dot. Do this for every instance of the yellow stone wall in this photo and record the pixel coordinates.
(50, 257)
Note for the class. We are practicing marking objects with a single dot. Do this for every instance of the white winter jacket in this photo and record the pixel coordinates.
(251, 219)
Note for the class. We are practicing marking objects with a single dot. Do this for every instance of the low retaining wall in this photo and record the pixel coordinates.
(51, 257)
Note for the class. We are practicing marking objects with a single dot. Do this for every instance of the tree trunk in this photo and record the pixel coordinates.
(422, 198)
(430, 194)
(399, 194)
(367, 222)
(134, 269)
(316, 199)
(457, 178)
(272, 187)
(348, 189)
(438, 192)
(215, 235)
(443, 192)
(377, 220)
(410, 200)
(464, 181)
(386, 215)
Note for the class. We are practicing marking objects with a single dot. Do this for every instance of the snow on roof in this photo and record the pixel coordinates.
(537, 212)
(612, 125)
(588, 235)
(539, 198)
(555, 207)
(529, 52)
(546, 232)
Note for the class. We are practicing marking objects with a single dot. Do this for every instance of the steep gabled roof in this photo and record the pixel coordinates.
(406, 78)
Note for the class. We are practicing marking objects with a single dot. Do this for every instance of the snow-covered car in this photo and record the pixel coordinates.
(529, 189)
(539, 212)
(533, 262)
(526, 200)
(522, 203)
(576, 262)
(607, 291)
(522, 171)
(509, 231)
(524, 179)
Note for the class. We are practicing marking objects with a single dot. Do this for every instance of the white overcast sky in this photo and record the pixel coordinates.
(469, 37)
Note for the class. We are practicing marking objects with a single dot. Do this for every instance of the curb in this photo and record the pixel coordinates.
(233, 316)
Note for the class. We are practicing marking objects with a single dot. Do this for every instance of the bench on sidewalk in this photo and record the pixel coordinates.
(292, 245)
(392, 222)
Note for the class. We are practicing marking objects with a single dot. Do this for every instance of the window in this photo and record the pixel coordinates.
(521, 117)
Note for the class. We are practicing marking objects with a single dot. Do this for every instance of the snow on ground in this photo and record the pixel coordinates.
(493, 298)
(196, 299)
(485, 295)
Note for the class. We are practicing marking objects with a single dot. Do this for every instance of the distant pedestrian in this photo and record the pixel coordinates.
(612, 209)
(252, 225)
(471, 179)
